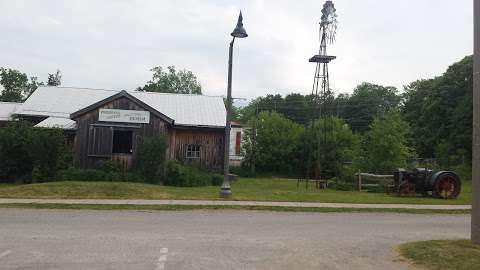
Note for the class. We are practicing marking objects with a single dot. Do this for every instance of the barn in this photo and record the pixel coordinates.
(111, 124)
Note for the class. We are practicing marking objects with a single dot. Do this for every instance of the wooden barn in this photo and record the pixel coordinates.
(110, 124)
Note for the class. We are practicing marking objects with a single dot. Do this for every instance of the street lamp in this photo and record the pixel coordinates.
(238, 32)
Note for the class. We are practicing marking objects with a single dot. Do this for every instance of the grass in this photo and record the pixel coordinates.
(443, 255)
(227, 207)
(243, 190)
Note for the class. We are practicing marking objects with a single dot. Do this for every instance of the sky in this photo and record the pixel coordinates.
(113, 44)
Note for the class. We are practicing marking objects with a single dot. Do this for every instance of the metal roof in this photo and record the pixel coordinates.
(57, 122)
(7, 109)
(185, 110)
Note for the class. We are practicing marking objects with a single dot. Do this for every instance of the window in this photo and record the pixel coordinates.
(122, 142)
(238, 141)
(193, 151)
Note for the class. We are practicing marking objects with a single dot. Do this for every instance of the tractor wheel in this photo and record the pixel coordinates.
(447, 186)
(406, 189)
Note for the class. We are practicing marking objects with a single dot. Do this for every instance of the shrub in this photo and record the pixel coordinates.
(31, 154)
(342, 186)
(180, 175)
(81, 175)
(151, 158)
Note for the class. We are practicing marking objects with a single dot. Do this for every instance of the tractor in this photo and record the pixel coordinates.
(441, 184)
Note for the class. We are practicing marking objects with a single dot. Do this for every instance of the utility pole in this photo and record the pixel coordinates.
(476, 127)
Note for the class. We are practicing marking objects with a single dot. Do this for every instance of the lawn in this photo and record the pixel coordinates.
(244, 190)
(443, 255)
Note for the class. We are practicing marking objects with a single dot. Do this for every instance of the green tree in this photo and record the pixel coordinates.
(331, 144)
(385, 146)
(54, 79)
(151, 159)
(367, 102)
(17, 86)
(172, 81)
(278, 146)
(439, 110)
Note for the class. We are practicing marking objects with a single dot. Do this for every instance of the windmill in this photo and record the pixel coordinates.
(320, 93)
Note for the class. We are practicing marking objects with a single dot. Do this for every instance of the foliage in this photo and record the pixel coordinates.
(367, 102)
(385, 147)
(46, 149)
(180, 175)
(54, 79)
(151, 159)
(16, 85)
(108, 172)
(16, 163)
(31, 154)
(330, 143)
(439, 110)
(278, 146)
(172, 81)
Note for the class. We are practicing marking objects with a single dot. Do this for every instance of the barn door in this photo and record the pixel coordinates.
(100, 141)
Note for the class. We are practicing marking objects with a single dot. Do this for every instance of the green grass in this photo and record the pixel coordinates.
(443, 255)
(244, 190)
(227, 207)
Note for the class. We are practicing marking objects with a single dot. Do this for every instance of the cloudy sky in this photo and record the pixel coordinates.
(113, 44)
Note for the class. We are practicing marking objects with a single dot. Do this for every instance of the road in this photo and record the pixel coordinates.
(156, 240)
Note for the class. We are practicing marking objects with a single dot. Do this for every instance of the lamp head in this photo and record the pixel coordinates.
(239, 31)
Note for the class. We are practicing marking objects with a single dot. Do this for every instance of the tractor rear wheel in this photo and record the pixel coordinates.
(447, 186)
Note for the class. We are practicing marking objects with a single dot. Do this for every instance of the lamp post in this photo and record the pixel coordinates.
(238, 32)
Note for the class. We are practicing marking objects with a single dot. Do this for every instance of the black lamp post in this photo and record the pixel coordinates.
(238, 32)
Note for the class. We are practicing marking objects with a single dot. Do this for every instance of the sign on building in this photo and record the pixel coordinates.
(124, 116)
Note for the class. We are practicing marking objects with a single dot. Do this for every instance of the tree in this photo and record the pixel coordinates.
(172, 81)
(329, 151)
(367, 102)
(385, 146)
(17, 85)
(439, 110)
(278, 146)
(54, 79)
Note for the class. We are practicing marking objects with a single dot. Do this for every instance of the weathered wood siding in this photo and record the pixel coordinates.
(86, 128)
(93, 140)
(211, 142)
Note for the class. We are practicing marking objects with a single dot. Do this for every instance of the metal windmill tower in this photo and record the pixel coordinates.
(321, 90)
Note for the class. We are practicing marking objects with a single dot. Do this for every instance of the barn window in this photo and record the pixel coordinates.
(193, 151)
(122, 142)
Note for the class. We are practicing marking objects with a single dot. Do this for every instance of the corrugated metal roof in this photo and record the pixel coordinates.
(57, 122)
(7, 109)
(187, 110)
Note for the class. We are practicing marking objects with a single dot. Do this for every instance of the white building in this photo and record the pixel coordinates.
(236, 142)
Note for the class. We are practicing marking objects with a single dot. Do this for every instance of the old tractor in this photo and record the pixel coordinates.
(439, 184)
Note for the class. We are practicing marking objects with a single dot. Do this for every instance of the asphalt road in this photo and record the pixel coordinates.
(78, 239)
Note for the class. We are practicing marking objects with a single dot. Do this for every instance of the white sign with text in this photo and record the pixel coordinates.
(124, 116)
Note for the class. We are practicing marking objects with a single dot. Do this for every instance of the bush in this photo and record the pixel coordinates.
(31, 154)
(106, 173)
(81, 175)
(342, 186)
(180, 175)
(242, 171)
(151, 159)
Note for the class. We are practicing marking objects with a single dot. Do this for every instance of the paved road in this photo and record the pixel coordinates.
(78, 239)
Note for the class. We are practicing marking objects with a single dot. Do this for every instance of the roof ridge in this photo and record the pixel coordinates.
(79, 88)
(11, 102)
(173, 94)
